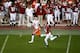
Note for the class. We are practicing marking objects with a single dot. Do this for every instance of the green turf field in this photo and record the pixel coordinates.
(12, 42)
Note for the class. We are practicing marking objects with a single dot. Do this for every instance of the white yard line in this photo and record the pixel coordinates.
(68, 45)
(20, 35)
(4, 44)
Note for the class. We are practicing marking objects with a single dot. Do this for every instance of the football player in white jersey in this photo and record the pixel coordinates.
(48, 34)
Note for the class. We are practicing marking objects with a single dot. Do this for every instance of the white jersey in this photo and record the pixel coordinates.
(57, 10)
(64, 3)
(69, 10)
(63, 10)
(35, 24)
(76, 9)
(36, 5)
(9, 3)
(6, 4)
(29, 11)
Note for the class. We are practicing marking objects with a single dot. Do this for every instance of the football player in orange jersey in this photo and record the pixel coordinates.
(36, 29)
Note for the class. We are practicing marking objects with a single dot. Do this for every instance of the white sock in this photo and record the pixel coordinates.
(10, 22)
(32, 38)
(14, 22)
(46, 41)
(52, 38)
(1, 20)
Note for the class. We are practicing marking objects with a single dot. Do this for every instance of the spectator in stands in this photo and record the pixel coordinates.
(12, 12)
(68, 16)
(57, 14)
(75, 15)
(21, 9)
(7, 4)
(39, 14)
(63, 12)
(50, 17)
(79, 8)
(29, 14)
(40, 9)
(1, 13)
(17, 4)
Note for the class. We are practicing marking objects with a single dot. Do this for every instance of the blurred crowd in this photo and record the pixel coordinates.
(22, 12)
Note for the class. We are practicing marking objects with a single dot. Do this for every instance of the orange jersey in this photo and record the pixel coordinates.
(37, 31)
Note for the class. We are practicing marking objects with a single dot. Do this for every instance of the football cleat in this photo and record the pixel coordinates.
(58, 35)
(46, 46)
(30, 42)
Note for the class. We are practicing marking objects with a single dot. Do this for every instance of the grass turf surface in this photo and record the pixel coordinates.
(17, 44)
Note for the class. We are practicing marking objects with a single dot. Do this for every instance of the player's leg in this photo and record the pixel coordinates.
(52, 21)
(73, 19)
(32, 39)
(58, 17)
(48, 21)
(46, 40)
(11, 18)
(66, 14)
(31, 18)
(70, 17)
(55, 14)
(19, 23)
(41, 19)
(23, 18)
(76, 19)
(52, 37)
(0, 17)
(28, 18)
(12, 15)
(63, 10)
(14, 18)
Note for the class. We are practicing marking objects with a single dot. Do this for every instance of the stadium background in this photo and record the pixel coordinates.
(15, 40)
